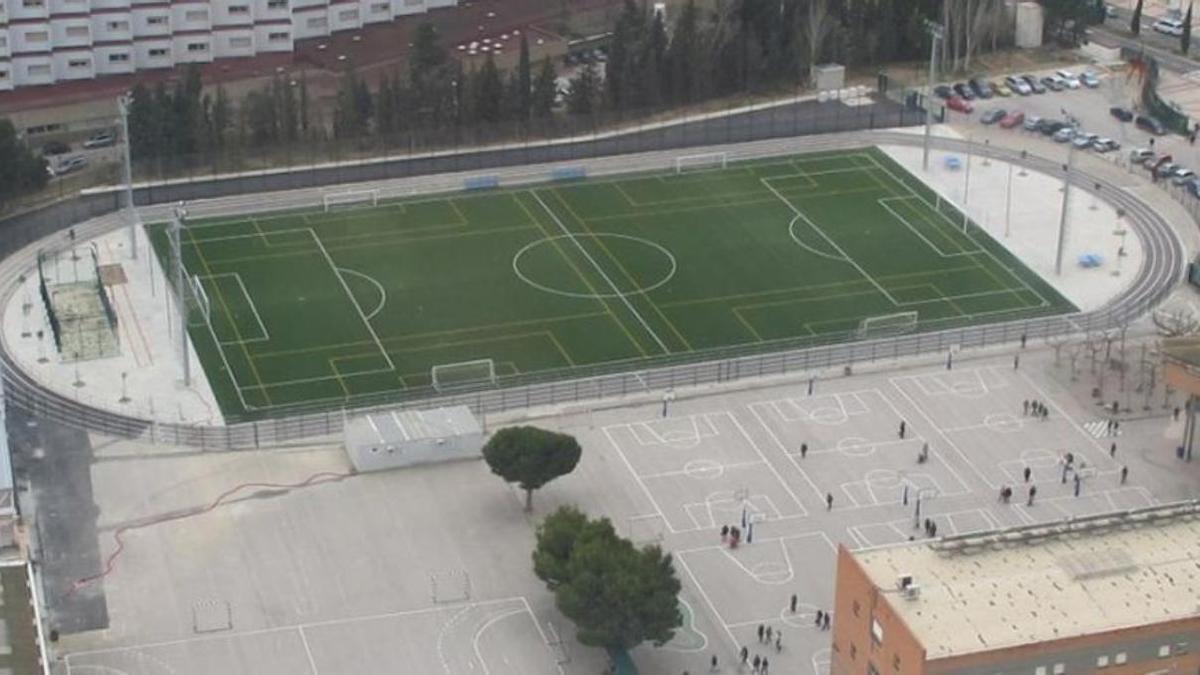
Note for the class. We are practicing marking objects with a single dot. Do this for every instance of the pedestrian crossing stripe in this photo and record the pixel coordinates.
(1099, 429)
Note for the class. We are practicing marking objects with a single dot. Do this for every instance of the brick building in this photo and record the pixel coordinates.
(1115, 594)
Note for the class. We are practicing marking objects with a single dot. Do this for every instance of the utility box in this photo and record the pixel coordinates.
(829, 77)
(1029, 23)
(395, 439)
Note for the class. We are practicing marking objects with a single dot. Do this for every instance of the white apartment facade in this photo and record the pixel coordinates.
(48, 41)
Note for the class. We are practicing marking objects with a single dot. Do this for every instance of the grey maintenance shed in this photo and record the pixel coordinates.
(393, 439)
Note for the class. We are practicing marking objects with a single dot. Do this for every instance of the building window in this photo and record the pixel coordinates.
(3, 41)
(3, 75)
(77, 31)
(1060, 668)
(876, 631)
(871, 669)
(196, 15)
(118, 25)
(119, 57)
(39, 69)
(853, 651)
(239, 9)
(157, 53)
(78, 63)
(277, 4)
(348, 15)
(33, 4)
(37, 36)
(317, 22)
(198, 47)
(1041, 670)
(380, 8)
(157, 20)
(1102, 662)
(239, 42)
(1164, 651)
(277, 37)
(1121, 658)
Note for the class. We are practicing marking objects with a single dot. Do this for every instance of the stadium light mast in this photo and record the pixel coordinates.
(1062, 220)
(178, 216)
(937, 33)
(123, 103)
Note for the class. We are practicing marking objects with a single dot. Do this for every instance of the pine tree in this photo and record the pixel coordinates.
(1135, 24)
(489, 92)
(545, 90)
(1185, 38)
(221, 117)
(581, 98)
(524, 83)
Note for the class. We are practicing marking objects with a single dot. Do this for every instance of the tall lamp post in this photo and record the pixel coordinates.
(936, 33)
(123, 104)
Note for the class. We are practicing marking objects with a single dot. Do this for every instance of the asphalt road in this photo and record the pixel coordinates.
(1114, 33)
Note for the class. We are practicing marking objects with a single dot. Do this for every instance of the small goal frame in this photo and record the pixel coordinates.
(709, 161)
(349, 199)
(486, 369)
(200, 297)
(885, 325)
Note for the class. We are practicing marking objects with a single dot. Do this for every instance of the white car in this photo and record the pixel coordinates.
(1182, 175)
(1018, 85)
(1069, 80)
(1169, 27)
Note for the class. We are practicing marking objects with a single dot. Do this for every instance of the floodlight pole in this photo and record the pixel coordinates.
(1008, 203)
(179, 214)
(1062, 221)
(123, 103)
(966, 186)
(936, 33)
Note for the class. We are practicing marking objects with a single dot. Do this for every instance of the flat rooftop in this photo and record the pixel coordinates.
(997, 589)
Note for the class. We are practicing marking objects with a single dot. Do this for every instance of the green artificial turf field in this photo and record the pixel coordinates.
(315, 308)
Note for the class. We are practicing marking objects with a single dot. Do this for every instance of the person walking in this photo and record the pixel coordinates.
(724, 533)
(779, 642)
(1124, 474)
(1025, 407)
(1078, 484)
(933, 528)
(762, 630)
(765, 666)
(903, 426)
(756, 663)
(1176, 413)
(745, 654)
(1112, 449)
(803, 450)
(825, 622)
(1032, 494)
(828, 501)
(792, 605)
(713, 666)
(1028, 473)
(770, 634)
(820, 615)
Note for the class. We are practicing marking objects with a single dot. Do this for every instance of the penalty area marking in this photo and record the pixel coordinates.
(371, 280)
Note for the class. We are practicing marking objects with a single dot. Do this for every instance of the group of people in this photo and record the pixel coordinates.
(731, 535)
(1036, 408)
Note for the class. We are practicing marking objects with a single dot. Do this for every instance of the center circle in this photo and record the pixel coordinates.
(641, 258)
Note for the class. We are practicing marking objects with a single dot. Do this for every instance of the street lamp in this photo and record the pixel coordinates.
(936, 34)
(124, 102)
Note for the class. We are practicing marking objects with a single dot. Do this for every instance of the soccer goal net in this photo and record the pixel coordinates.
(350, 199)
(887, 324)
(705, 162)
(465, 373)
(199, 306)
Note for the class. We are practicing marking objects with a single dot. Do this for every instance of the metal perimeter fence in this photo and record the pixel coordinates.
(1162, 269)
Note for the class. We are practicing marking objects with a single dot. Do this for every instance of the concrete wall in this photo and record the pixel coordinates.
(857, 603)
(1029, 25)
(420, 451)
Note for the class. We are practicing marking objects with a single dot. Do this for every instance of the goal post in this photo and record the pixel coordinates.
(704, 162)
(463, 374)
(885, 325)
(349, 199)
(199, 298)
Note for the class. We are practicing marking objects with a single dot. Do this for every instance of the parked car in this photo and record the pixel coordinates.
(959, 104)
(1012, 119)
(1064, 134)
(992, 116)
(1069, 79)
(1164, 167)
(1151, 124)
(1103, 145)
(980, 87)
(101, 139)
(1140, 155)
(1000, 88)
(1120, 113)
(1049, 127)
(1032, 123)
(1084, 141)
(1054, 83)
(1182, 175)
(943, 91)
(1018, 85)
(1037, 87)
(1169, 26)
(1089, 80)
(964, 92)
(55, 148)
(70, 164)
(1193, 186)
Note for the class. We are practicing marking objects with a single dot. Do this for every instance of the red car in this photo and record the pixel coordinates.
(1012, 119)
(959, 104)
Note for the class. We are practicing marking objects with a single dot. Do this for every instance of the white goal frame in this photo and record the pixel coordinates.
(349, 198)
(486, 368)
(884, 325)
(705, 162)
(200, 296)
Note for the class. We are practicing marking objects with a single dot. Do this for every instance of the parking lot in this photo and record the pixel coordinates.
(1089, 110)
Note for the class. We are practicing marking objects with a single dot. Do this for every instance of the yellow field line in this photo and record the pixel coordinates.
(622, 267)
(789, 301)
(579, 273)
(738, 313)
(561, 350)
(337, 375)
(232, 323)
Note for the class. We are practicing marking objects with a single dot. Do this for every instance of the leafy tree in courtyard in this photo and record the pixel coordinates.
(531, 457)
(1135, 24)
(617, 594)
(21, 170)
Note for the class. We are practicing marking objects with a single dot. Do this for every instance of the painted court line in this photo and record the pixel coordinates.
(266, 336)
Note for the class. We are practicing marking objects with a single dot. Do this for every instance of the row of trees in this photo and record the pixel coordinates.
(1185, 38)
(702, 53)
(617, 594)
(22, 171)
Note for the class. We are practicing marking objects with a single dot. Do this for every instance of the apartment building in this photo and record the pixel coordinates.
(48, 41)
(1113, 594)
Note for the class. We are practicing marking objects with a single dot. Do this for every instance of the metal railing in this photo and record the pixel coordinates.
(1158, 274)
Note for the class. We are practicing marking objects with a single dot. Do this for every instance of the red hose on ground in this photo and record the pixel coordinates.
(110, 561)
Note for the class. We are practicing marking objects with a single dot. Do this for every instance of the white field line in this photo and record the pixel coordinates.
(266, 336)
(346, 287)
(376, 284)
(592, 260)
(848, 259)
(237, 386)
(883, 201)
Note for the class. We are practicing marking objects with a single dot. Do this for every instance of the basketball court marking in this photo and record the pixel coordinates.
(675, 432)
(770, 573)
(704, 515)
(972, 383)
(822, 661)
(998, 422)
(856, 446)
(846, 405)
(1089, 502)
(900, 530)
(689, 617)
(733, 641)
(1034, 458)
(895, 382)
(701, 469)
(876, 482)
